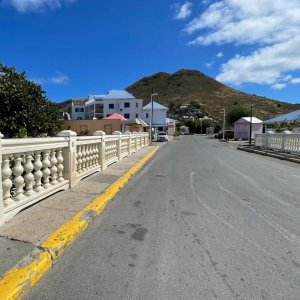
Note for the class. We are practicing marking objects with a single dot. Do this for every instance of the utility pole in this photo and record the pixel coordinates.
(250, 134)
(224, 123)
(151, 122)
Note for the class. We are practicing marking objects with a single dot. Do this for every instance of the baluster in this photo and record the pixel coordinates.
(79, 160)
(86, 150)
(83, 159)
(6, 181)
(60, 166)
(29, 178)
(46, 170)
(96, 155)
(18, 180)
(53, 168)
(93, 155)
(88, 157)
(88, 154)
(38, 174)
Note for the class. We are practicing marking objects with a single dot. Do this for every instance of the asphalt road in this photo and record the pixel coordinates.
(201, 221)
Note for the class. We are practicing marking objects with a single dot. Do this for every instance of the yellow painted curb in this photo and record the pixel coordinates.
(16, 283)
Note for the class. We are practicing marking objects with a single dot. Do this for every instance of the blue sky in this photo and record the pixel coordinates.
(75, 48)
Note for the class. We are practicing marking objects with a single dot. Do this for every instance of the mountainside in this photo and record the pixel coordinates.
(185, 86)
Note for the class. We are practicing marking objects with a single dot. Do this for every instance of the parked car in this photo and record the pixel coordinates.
(162, 137)
(228, 134)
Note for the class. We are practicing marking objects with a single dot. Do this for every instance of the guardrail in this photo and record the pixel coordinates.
(277, 141)
(35, 168)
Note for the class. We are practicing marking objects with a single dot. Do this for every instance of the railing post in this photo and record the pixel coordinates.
(1, 191)
(69, 155)
(129, 142)
(267, 141)
(118, 133)
(283, 142)
(101, 149)
(136, 142)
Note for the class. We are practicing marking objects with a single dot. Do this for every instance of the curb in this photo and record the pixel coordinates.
(17, 282)
(274, 155)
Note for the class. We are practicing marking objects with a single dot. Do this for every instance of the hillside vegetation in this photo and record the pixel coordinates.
(185, 86)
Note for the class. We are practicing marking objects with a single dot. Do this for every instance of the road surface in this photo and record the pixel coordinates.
(201, 221)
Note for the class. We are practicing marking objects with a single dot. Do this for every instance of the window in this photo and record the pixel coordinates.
(79, 118)
(111, 106)
(136, 115)
(126, 104)
(81, 109)
(127, 116)
(136, 104)
(76, 109)
(147, 115)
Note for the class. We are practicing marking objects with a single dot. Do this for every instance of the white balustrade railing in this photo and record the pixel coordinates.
(125, 146)
(278, 141)
(133, 144)
(34, 168)
(111, 150)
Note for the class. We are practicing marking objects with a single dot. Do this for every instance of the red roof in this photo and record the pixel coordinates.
(115, 116)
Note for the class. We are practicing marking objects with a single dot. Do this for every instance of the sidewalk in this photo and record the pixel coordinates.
(27, 230)
(295, 158)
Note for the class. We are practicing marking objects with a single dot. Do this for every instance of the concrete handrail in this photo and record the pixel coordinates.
(278, 141)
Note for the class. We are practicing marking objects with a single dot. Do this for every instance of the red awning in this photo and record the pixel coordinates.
(115, 116)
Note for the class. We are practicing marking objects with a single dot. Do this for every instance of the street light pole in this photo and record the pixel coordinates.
(250, 134)
(151, 122)
(201, 125)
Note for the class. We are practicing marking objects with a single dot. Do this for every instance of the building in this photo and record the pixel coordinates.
(242, 128)
(171, 123)
(101, 106)
(88, 127)
(159, 115)
(292, 116)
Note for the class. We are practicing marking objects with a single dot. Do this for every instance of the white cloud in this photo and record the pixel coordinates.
(278, 86)
(286, 78)
(247, 22)
(295, 81)
(182, 11)
(24, 6)
(271, 27)
(59, 79)
(39, 81)
(209, 64)
(264, 66)
(219, 55)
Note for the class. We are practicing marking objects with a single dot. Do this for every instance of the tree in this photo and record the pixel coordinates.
(236, 113)
(24, 106)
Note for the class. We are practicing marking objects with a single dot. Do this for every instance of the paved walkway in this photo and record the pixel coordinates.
(31, 227)
(292, 157)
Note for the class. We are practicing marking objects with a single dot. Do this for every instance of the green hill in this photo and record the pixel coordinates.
(185, 86)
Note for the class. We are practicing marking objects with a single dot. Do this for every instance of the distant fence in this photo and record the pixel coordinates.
(277, 141)
(35, 168)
